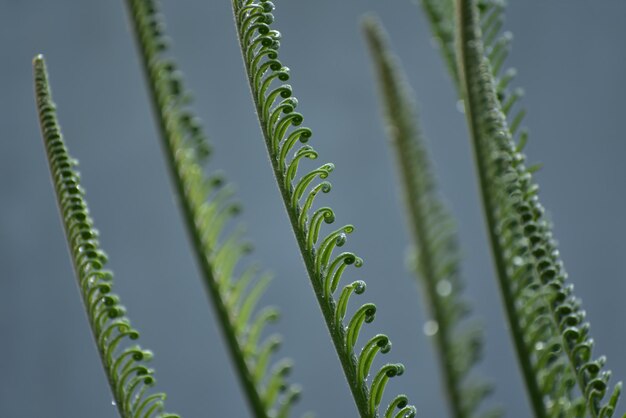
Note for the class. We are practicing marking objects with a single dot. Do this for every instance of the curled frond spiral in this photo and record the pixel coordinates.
(281, 127)
(208, 208)
(124, 362)
(433, 231)
(552, 320)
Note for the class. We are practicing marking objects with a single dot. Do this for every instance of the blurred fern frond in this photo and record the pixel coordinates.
(125, 365)
(440, 14)
(280, 125)
(434, 234)
(208, 211)
(525, 252)
(515, 281)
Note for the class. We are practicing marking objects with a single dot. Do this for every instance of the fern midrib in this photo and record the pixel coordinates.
(466, 34)
(359, 391)
(189, 215)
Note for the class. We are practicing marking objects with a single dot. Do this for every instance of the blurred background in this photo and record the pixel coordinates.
(571, 63)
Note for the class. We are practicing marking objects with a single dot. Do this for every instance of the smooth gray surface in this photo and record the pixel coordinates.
(571, 62)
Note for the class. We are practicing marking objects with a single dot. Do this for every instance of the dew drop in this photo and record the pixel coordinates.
(444, 288)
(91, 281)
(460, 106)
(430, 328)
(540, 346)
(113, 402)
(518, 261)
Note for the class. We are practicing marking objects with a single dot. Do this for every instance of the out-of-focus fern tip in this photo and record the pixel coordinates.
(124, 364)
(435, 257)
(286, 140)
(209, 210)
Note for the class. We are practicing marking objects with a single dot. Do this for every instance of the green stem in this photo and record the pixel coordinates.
(327, 305)
(469, 52)
(189, 215)
(413, 165)
(107, 320)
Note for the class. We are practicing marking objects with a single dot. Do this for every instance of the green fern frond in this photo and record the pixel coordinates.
(208, 209)
(434, 234)
(280, 124)
(522, 242)
(522, 322)
(125, 365)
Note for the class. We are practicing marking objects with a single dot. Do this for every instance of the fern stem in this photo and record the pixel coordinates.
(124, 368)
(205, 256)
(259, 45)
(413, 166)
(359, 391)
(469, 57)
(493, 142)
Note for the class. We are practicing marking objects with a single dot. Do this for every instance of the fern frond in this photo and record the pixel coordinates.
(125, 365)
(514, 280)
(521, 239)
(281, 128)
(208, 208)
(433, 231)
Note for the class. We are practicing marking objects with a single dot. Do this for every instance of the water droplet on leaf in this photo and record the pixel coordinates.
(430, 328)
(460, 106)
(444, 288)
(518, 261)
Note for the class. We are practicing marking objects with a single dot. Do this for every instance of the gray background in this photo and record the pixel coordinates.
(571, 62)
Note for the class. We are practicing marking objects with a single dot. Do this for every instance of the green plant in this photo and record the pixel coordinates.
(554, 357)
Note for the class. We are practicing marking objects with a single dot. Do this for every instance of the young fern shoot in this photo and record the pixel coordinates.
(437, 256)
(529, 266)
(280, 125)
(124, 365)
(207, 206)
